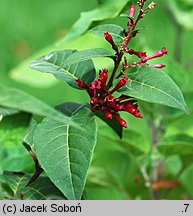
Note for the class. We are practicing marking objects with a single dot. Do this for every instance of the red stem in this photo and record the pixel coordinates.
(124, 44)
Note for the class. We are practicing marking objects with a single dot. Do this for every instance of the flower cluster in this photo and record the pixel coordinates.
(103, 99)
(100, 92)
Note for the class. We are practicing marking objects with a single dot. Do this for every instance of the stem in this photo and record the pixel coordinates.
(124, 45)
(154, 140)
(148, 181)
(117, 63)
(38, 169)
(138, 18)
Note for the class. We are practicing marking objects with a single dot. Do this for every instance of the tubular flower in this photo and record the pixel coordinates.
(159, 53)
(131, 16)
(144, 58)
(138, 54)
(157, 65)
(103, 100)
(132, 11)
(109, 38)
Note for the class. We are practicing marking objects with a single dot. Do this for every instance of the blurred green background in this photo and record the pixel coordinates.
(31, 28)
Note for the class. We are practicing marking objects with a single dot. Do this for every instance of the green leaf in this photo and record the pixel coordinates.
(114, 124)
(7, 111)
(29, 134)
(84, 55)
(18, 100)
(131, 142)
(64, 151)
(106, 9)
(13, 156)
(186, 178)
(154, 86)
(114, 30)
(134, 142)
(173, 164)
(54, 63)
(176, 145)
(98, 176)
(42, 188)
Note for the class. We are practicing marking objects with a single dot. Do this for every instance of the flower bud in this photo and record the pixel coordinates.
(94, 101)
(109, 38)
(157, 65)
(108, 115)
(152, 6)
(81, 84)
(159, 53)
(121, 121)
(116, 107)
(95, 85)
(120, 84)
(132, 11)
(138, 54)
(132, 108)
(137, 114)
(103, 76)
(109, 98)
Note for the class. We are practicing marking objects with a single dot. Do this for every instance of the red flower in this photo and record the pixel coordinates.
(138, 54)
(159, 53)
(121, 121)
(102, 99)
(120, 84)
(109, 38)
(132, 11)
(157, 65)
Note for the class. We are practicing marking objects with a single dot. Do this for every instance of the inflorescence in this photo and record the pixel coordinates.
(100, 92)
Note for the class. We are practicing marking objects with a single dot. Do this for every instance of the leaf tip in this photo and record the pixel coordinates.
(33, 64)
(186, 110)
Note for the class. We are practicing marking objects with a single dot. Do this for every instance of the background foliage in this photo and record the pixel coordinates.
(120, 168)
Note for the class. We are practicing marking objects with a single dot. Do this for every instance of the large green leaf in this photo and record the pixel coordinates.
(18, 100)
(132, 141)
(64, 151)
(100, 177)
(176, 145)
(106, 9)
(54, 63)
(115, 30)
(113, 123)
(42, 188)
(13, 156)
(155, 86)
(6, 111)
(84, 55)
(29, 134)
